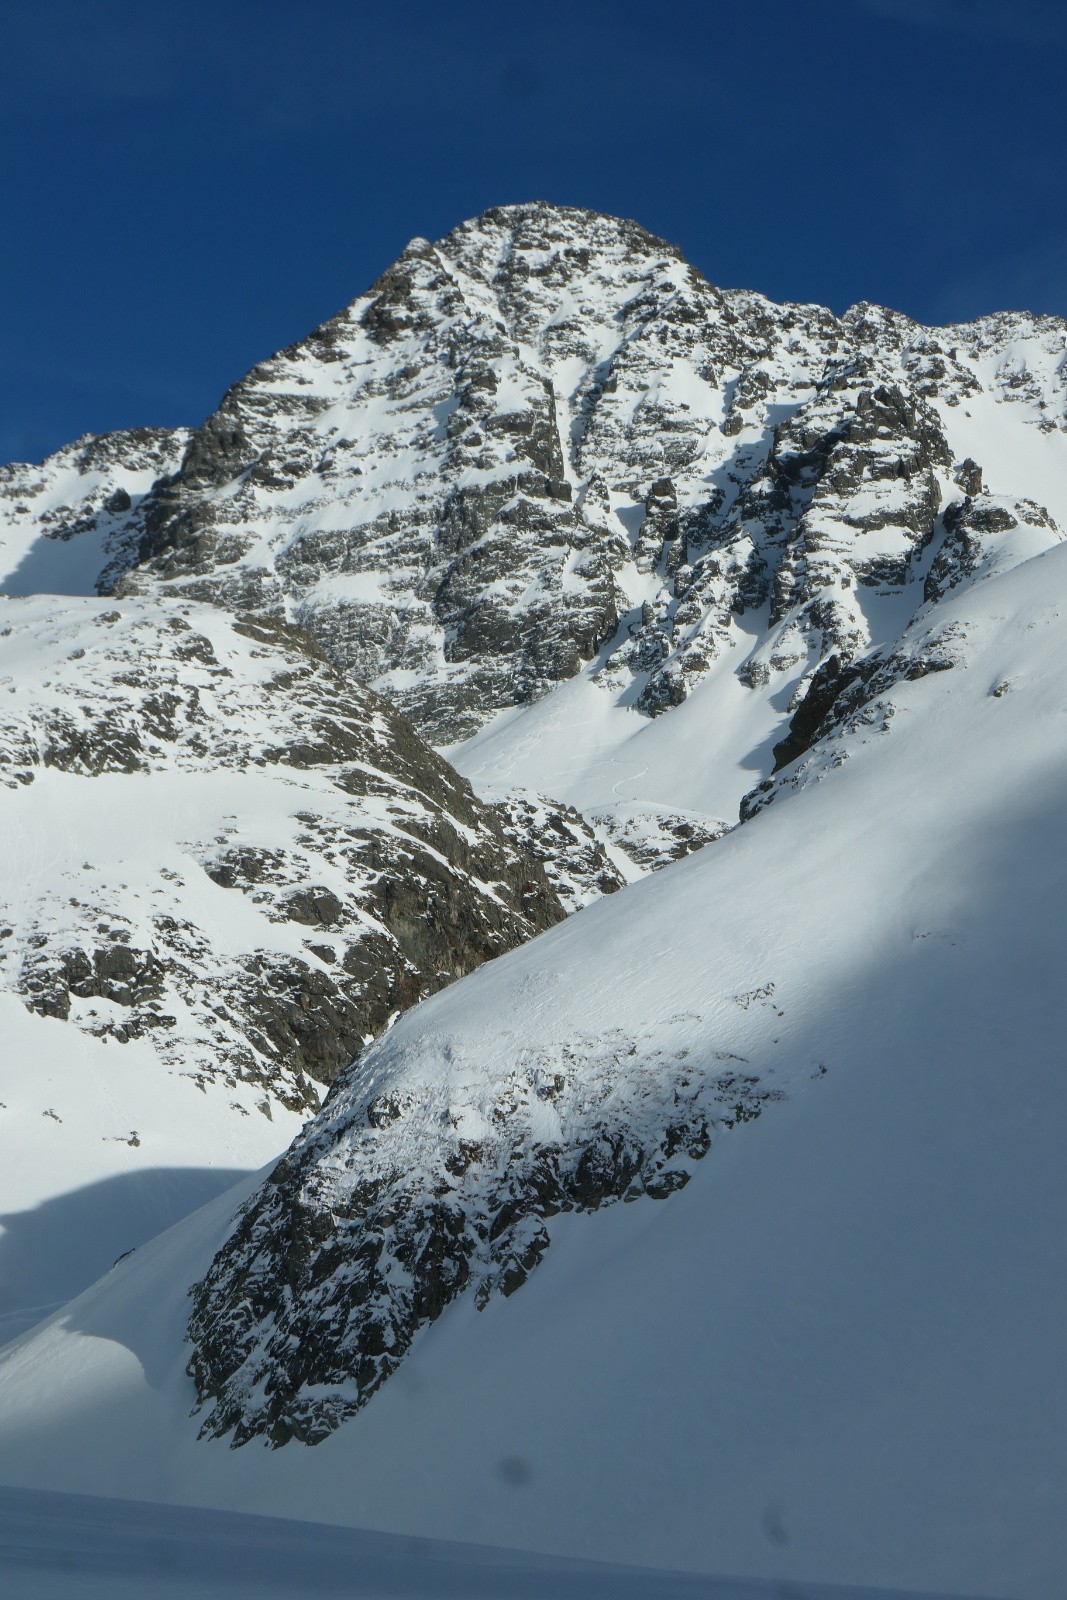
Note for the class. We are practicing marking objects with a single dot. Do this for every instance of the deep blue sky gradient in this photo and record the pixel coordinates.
(186, 187)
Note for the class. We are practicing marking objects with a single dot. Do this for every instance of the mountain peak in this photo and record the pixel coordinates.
(683, 579)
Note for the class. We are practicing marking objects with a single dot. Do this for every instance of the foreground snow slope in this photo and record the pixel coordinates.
(837, 1353)
(102, 1149)
(70, 1547)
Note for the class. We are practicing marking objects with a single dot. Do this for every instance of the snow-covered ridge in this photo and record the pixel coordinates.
(224, 868)
(231, 848)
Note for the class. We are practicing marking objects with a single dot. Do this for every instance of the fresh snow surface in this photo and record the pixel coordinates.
(101, 1151)
(71, 1547)
(837, 1355)
(586, 746)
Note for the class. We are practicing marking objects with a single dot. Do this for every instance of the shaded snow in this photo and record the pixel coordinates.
(67, 1547)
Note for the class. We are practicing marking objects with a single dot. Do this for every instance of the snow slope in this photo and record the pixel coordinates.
(60, 520)
(70, 1547)
(102, 1149)
(836, 1354)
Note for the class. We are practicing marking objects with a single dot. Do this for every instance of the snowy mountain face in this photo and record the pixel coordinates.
(545, 449)
(225, 868)
(298, 865)
(645, 557)
(834, 1353)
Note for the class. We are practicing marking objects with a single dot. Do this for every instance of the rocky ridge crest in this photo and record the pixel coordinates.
(547, 441)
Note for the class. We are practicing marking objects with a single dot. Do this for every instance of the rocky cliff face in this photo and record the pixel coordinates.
(412, 1187)
(545, 445)
(546, 440)
(232, 849)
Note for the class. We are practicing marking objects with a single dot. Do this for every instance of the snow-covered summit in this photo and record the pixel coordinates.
(548, 441)
(545, 445)
(542, 475)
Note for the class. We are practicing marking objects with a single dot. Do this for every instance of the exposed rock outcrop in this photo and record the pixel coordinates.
(286, 865)
(395, 1202)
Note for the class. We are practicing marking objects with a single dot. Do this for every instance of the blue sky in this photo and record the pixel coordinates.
(188, 186)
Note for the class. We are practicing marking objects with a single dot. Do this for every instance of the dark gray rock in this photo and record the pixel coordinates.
(314, 1299)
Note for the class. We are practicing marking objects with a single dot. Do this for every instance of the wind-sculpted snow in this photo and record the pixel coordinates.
(225, 848)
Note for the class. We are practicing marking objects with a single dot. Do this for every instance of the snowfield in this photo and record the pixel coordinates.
(101, 1151)
(836, 1355)
(71, 1547)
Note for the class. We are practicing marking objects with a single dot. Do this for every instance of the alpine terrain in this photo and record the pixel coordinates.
(531, 924)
